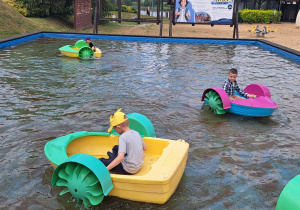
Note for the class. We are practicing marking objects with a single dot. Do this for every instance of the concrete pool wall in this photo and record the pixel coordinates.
(284, 51)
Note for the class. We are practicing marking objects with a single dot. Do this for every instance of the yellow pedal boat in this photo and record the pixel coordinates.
(161, 172)
(80, 50)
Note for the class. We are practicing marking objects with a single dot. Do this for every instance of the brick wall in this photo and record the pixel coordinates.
(82, 13)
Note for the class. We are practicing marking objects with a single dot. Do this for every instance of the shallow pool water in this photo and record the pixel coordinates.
(234, 162)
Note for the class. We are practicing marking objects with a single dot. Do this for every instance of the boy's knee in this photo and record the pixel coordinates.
(115, 148)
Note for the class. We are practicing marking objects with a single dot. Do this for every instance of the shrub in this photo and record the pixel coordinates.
(259, 16)
(19, 6)
(107, 6)
(129, 9)
(45, 8)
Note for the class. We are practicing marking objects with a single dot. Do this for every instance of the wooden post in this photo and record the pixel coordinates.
(119, 10)
(236, 20)
(279, 10)
(233, 36)
(158, 11)
(161, 19)
(171, 18)
(237, 24)
(95, 29)
(139, 10)
(100, 9)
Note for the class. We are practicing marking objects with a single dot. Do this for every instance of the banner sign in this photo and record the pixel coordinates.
(204, 11)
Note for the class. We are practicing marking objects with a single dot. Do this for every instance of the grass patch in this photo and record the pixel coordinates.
(13, 23)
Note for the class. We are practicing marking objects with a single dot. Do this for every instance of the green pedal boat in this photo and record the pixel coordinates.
(80, 50)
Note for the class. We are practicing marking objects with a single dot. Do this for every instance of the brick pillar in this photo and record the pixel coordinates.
(82, 14)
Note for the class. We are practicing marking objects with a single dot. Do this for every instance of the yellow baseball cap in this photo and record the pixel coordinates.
(116, 119)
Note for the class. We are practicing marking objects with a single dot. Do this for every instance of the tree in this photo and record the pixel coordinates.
(127, 2)
(107, 6)
(147, 3)
(45, 8)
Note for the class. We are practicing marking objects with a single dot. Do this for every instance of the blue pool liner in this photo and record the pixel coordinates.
(286, 52)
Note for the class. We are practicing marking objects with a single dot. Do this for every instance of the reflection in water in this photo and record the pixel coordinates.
(234, 161)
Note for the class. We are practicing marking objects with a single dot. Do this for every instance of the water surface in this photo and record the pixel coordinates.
(234, 161)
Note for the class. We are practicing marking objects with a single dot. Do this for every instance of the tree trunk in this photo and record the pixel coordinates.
(254, 4)
(268, 4)
(279, 11)
(259, 4)
(245, 4)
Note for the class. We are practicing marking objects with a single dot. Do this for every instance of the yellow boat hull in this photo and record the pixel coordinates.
(163, 166)
(73, 52)
(98, 53)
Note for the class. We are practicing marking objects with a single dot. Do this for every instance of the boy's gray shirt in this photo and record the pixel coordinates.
(131, 143)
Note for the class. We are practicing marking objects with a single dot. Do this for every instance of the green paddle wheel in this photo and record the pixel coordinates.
(85, 52)
(215, 102)
(85, 177)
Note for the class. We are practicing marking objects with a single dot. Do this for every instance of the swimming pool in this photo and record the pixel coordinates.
(234, 161)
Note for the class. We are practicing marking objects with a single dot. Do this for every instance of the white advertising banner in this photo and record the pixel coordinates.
(204, 11)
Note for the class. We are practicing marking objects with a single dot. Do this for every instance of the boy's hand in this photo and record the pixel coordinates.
(251, 96)
(116, 161)
(145, 148)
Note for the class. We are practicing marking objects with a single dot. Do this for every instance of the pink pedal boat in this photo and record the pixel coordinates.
(260, 106)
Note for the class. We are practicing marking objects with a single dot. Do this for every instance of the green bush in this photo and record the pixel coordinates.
(129, 9)
(107, 6)
(114, 7)
(45, 8)
(259, 16)
(19, 6)
(53, 8)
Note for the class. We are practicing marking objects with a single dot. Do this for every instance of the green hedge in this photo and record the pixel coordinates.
(129, 9)
(259, 16)
(44, 8)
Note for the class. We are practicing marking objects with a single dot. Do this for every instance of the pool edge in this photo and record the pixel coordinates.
(15, 40)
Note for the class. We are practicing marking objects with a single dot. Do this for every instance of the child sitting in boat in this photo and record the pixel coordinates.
(127, 157)
(88, 41)
(230, 86)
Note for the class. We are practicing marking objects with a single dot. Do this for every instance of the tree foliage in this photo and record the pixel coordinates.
(147, 3)
(45, 8)
(107, 6)
(57, 8)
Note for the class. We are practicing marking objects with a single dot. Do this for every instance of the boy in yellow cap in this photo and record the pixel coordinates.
(128, 156)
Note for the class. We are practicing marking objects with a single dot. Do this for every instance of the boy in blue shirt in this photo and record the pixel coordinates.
(127, 157)
(90, 43)
(230, 86)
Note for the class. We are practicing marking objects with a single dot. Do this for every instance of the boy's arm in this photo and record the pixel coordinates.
(116, 161)
(92, 46)
(237, 88)
(225, 87)
(145, 147)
